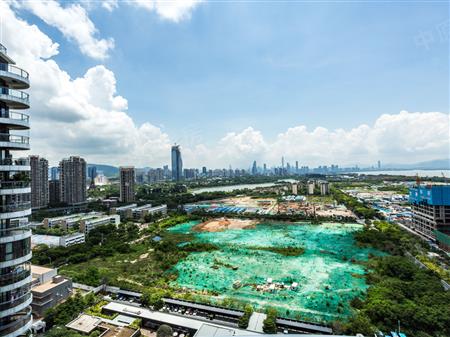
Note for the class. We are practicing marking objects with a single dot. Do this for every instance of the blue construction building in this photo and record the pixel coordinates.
(430, 206)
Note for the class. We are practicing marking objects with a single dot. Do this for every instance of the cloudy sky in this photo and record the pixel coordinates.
(234, 81)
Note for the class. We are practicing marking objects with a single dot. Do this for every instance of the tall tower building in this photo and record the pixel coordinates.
(39, 182)
(254, 168)
(127, 177)
(177, 163)
(72, 180)
(15, 206)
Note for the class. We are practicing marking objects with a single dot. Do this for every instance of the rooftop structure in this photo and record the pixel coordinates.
(49, 289)
(15, 313)
(86, 324)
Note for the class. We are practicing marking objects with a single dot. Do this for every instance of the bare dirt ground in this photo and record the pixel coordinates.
(222, 224)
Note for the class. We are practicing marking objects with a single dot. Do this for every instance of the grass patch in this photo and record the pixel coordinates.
(285, 251)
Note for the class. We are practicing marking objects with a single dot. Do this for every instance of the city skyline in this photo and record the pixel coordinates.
(114, 123)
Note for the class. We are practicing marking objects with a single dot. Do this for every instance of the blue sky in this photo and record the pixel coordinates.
(270, 66)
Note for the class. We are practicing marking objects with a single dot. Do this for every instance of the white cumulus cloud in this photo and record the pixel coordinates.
(74, 23)
(173, 10)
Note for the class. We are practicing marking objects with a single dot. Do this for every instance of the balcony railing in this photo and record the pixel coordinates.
(11, 161)
(14, 302)
(14, 70)
(15, 115)
(14, 184)
(14, 277)
(15, 207)
(20, 320)
(6, 137)
(15, 94)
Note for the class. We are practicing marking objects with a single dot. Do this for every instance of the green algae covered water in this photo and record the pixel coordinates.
(317, 285)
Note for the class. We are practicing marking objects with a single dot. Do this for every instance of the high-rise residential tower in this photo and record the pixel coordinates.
(15, 206)
(72, 180)
(177, 163)
(430, 206)
(39, 182)
(127, 177)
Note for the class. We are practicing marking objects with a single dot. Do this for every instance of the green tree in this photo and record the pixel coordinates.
(269, 324)
(164, 331)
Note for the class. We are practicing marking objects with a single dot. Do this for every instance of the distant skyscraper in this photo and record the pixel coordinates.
(204, 170)
(127, 176)
(39, 182)
(92, 174)
(379, 165)
(177, 163)
(296, 166)
(254, 168)
(54, 173)
(72, 177)
(265, 168)
(282, 162)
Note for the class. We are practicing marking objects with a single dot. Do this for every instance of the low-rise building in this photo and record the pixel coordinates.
(58, 241)
(48, 289)
(87, 225)
(139, 212)
(83, 222)
(142, 211)
(87, 324)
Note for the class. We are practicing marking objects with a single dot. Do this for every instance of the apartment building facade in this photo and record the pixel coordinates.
(72, 180)
(39, 182)
(127, 184)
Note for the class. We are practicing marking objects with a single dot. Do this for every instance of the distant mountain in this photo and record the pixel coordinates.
(108, 170)
(437, 164)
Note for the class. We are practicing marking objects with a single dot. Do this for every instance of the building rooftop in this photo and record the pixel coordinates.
(84, 323)
(116, 331)
(207, 330)
(185, 322)
(42, 288)
(40, 270)
(203, 307)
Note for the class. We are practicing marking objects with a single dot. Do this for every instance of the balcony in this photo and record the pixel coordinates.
(14, 276)
(15, 305)
(19, 323)
(15, 99)
(13, 165)
(15, 120)
(16, 210)
(14, 77)
(14, 187)
(14, 142)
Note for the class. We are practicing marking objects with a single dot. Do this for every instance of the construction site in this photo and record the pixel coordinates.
(308, 272)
